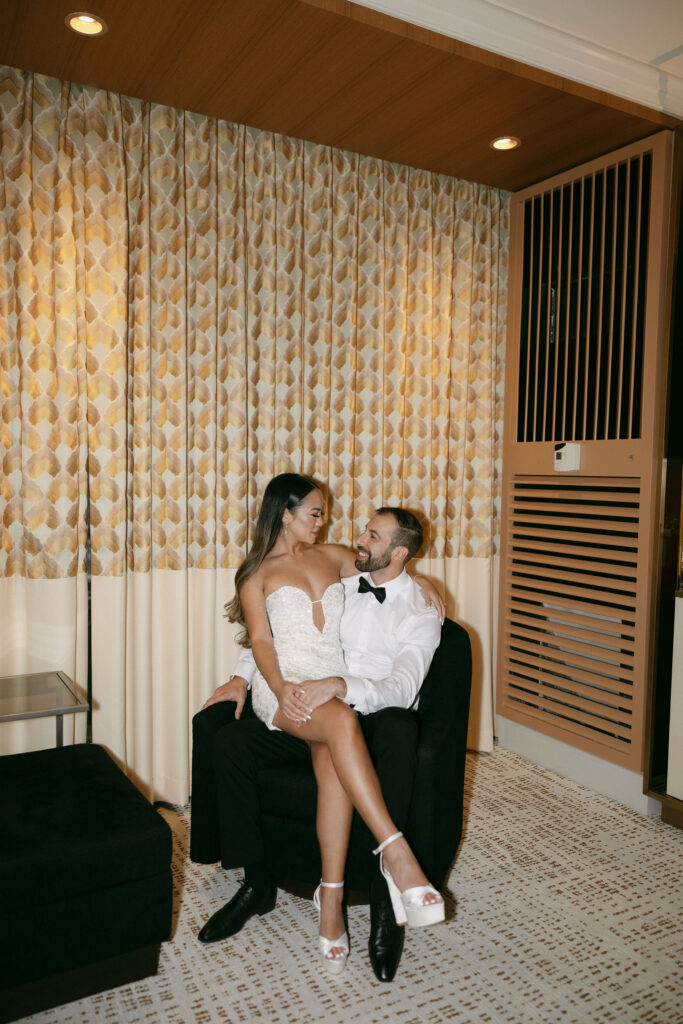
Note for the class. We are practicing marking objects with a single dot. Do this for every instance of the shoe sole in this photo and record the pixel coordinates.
(421, 917)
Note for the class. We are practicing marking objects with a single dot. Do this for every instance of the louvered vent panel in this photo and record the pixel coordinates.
(570, 604)
(586, 357)
(583, 306)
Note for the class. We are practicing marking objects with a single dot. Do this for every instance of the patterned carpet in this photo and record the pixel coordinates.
(569, 911)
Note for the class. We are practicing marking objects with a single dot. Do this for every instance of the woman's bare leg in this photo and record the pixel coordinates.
(333, 825)
(336, 725)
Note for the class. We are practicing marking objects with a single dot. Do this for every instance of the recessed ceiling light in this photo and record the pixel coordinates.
(85, 24)
(505, 142)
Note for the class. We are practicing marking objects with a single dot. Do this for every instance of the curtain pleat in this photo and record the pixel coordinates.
(188, 307)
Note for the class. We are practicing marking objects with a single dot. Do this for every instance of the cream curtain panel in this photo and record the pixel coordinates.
(188, 306)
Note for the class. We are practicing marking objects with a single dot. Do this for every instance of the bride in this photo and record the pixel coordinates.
(290, 599)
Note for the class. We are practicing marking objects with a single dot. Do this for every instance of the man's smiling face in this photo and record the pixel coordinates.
(375, 544)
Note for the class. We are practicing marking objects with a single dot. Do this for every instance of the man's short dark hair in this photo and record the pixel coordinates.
(408, 533)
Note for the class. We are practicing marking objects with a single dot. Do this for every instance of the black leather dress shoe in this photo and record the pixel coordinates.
(386, 941)
(234, 915)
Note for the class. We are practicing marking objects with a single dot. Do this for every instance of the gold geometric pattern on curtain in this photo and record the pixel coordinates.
(197, 305)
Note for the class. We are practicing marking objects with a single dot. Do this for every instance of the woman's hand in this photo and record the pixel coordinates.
(431, 595)
(313, 692)
(291, 704)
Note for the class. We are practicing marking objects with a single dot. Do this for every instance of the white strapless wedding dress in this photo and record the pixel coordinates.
(303, 651)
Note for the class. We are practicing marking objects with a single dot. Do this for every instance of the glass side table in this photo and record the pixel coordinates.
(39, 695)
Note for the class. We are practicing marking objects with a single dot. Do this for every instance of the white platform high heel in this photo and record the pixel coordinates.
(409, 906)
(334, 964)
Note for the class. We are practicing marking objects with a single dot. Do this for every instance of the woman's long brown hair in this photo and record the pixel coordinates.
(285, 491)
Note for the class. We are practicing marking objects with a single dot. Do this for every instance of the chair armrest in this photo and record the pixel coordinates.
(435, 819)
(443, 708)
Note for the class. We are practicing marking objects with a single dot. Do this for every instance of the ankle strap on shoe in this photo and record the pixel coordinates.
(331, 885)
(396, 835)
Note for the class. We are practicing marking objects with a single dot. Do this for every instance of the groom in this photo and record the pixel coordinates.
(389, 636)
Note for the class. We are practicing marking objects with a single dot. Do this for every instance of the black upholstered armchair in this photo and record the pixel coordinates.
(288, 794)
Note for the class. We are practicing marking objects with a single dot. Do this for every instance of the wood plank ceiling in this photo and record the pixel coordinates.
(334, 73)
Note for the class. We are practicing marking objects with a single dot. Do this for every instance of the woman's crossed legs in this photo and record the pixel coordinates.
(346, 778)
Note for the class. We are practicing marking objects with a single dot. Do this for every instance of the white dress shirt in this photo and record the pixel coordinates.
(388, 647)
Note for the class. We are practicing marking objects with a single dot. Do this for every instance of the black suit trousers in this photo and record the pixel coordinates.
(227, 756)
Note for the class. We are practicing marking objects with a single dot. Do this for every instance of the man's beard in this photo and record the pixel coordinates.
(366, 563)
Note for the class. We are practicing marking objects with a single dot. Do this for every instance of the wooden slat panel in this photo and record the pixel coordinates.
(575, 410)
(614, 708)
(609, 377)
(589, 497)
(572, 578)
(554, 487)
(589, 669)
(603, 704)
(572, 528)
(605, 514)
(549, 346)
(559, 597)
(559, 641)
(585, 568)
(595, 378)
(608, 641)
(626, 306)
(587, 381)
(613, 627)
(578, 548)
(600, 742)
(535, 391)
(579, 715)
(619, 598)
(616, 544)
(588, 712)
(587, 552)
(597, 673)
(634, 428)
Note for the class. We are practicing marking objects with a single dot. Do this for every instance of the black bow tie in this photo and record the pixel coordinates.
(367, 588)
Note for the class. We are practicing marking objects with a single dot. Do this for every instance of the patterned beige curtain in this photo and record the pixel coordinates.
(187, 307)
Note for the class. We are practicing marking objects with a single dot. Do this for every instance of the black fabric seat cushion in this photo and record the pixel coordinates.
(71, 823)
(288, 791)
(290, 795)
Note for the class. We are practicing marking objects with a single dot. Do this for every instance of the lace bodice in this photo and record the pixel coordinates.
(303, 650)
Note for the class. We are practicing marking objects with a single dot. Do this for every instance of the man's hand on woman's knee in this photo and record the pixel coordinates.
(235, 689)
(312, 693)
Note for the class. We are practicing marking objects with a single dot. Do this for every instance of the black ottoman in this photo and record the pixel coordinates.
(85, 878)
